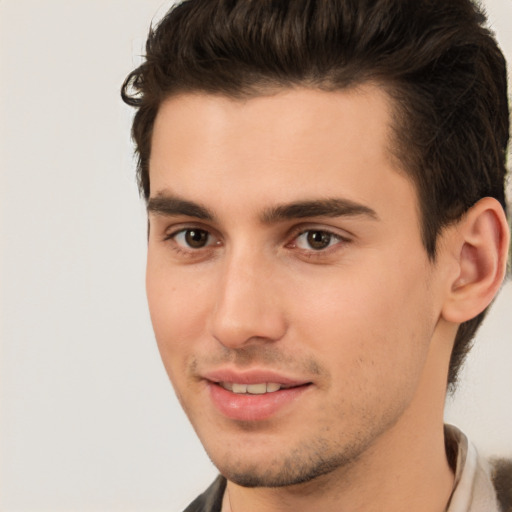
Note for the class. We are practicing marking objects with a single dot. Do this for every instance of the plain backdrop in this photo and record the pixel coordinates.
(88, 419)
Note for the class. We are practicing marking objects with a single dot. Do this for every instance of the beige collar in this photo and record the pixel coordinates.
(473, 489)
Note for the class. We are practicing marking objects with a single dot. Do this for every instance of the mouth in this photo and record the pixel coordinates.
(253, 389)
(254, 396)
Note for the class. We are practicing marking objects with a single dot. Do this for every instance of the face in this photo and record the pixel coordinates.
(292, 300)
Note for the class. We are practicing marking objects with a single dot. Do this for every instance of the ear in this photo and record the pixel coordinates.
(480, 248)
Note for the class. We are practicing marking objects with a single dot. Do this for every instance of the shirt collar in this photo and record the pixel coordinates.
(473, 489)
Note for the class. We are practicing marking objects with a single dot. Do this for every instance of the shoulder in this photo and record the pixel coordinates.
(502, 478)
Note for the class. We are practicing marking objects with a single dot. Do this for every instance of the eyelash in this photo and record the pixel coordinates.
(309, 253)
(190, 252)
(318, 252)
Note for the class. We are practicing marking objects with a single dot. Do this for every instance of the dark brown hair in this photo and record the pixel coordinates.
(435, 58)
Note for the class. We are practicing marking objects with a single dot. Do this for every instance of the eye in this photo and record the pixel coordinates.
(316, 240)
(193, 238)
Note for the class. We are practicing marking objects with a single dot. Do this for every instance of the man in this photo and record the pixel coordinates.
(325, 192)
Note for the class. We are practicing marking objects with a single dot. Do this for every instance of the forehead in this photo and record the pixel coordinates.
(293, 145)
(275, 120)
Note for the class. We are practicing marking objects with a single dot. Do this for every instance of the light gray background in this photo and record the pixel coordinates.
(88, 420)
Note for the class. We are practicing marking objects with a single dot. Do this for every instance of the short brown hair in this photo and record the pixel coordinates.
(435, 58)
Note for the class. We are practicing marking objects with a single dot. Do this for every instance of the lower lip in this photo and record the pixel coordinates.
(247, 407)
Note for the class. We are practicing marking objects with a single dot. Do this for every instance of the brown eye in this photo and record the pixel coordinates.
(196, 238)
(318, 240)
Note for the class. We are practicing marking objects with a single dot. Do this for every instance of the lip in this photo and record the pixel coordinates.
(252, 377)
(253, 408)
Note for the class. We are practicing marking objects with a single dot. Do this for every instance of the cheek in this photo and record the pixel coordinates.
(370, 324)
(177, 307)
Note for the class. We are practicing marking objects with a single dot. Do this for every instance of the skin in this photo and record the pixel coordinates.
(362, 320)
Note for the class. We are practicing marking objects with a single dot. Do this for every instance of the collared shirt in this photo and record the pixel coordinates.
(473, 487)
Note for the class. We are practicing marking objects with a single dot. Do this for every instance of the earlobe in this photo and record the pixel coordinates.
(481, 252)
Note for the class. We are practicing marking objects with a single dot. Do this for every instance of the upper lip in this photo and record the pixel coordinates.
(253, 376)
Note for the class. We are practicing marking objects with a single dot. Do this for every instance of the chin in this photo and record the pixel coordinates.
(284, 477)
(298, 466)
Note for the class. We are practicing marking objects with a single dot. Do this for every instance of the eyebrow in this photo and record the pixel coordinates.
(318, 208)
(173, 206)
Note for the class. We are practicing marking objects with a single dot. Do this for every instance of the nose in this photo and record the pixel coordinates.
(248, 309)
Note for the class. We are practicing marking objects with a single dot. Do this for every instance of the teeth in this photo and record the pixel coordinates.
(272, 386)
(257, 389)
(239, 388)
(252, 389)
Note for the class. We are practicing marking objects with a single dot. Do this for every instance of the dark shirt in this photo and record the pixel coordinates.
(211, 499)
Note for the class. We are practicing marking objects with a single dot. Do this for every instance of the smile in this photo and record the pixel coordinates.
(255, 401)
(252, 389)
